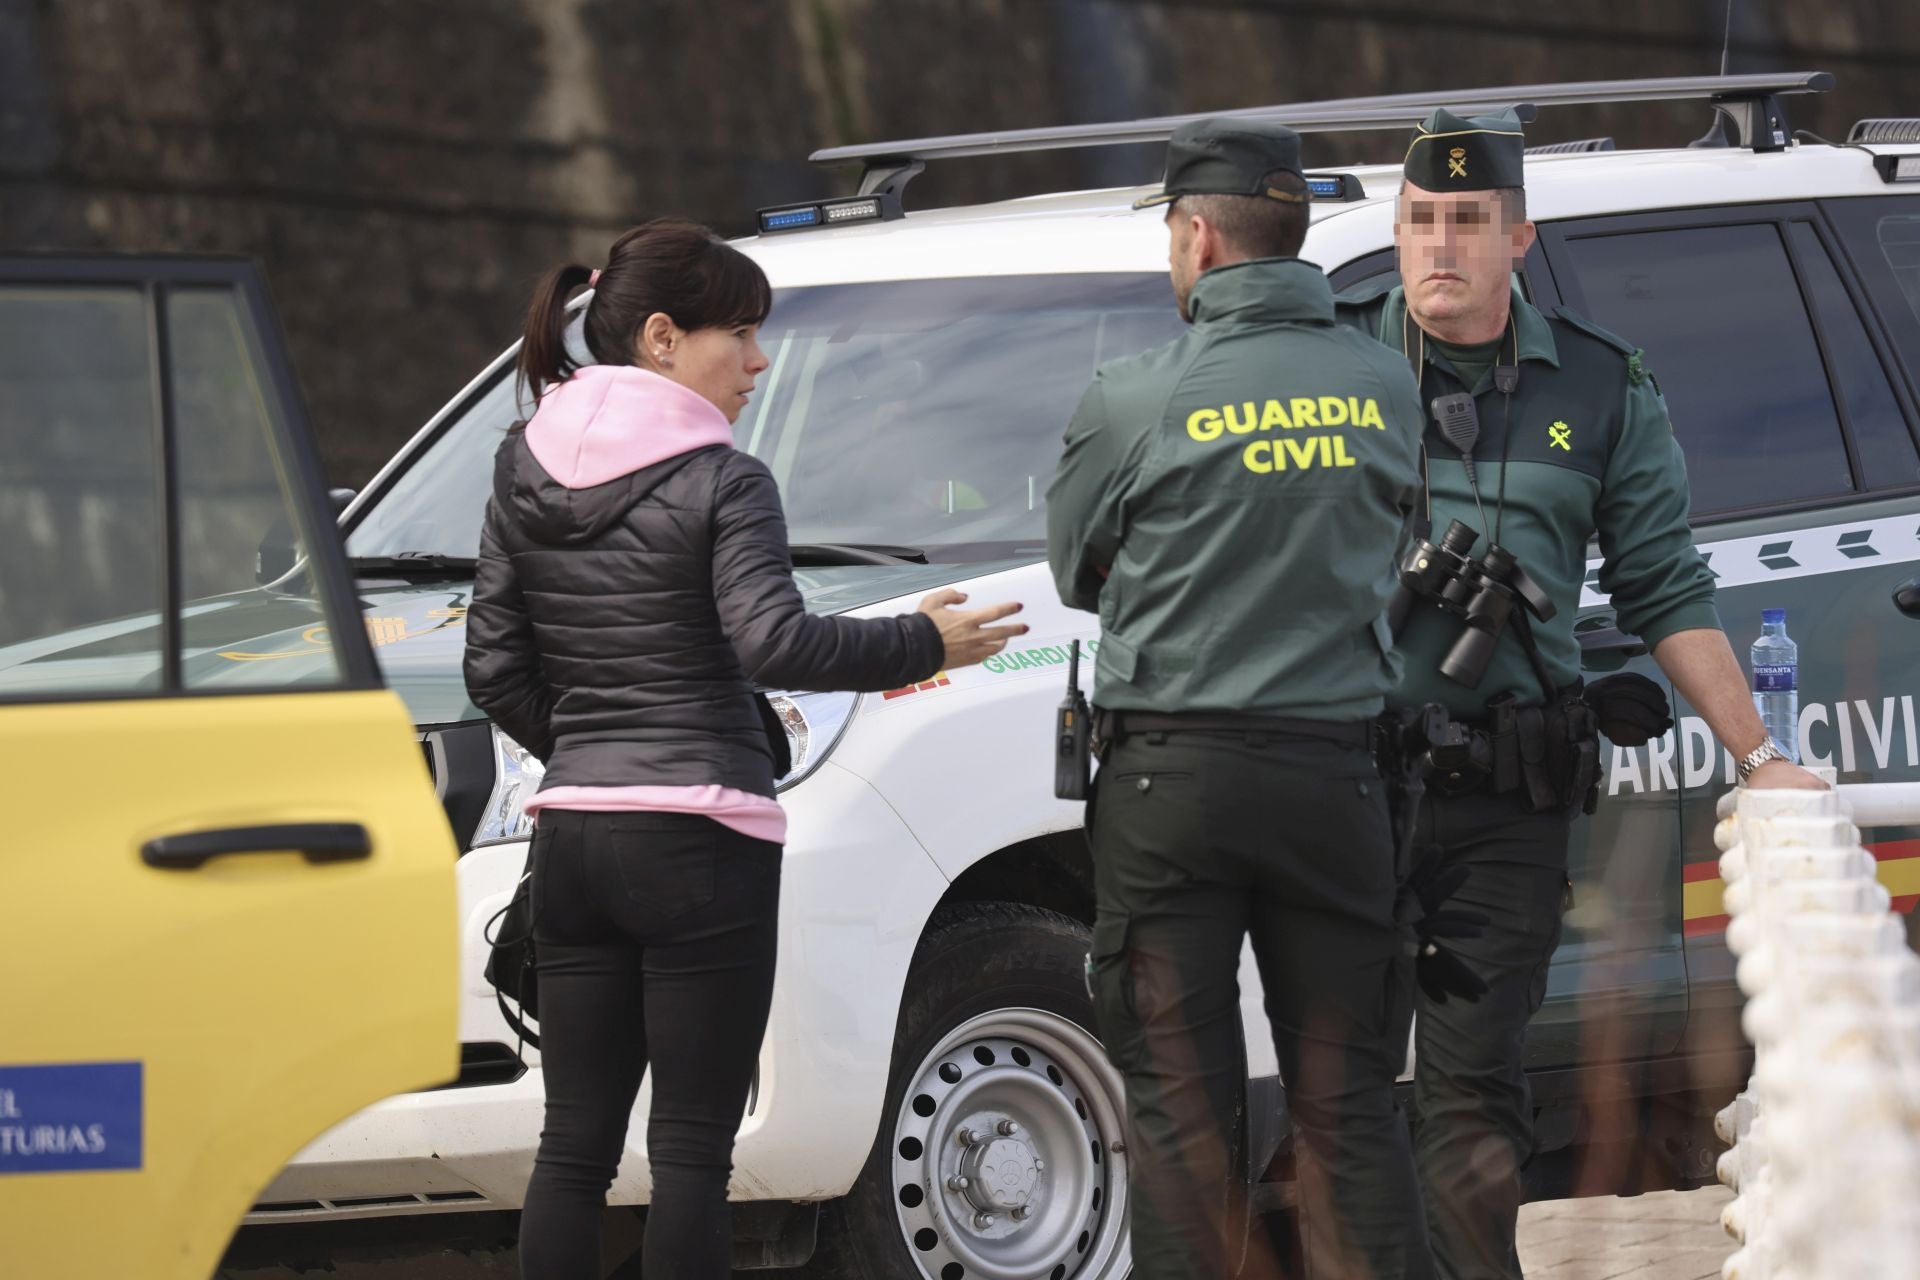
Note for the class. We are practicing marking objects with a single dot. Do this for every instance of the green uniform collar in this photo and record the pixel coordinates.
(1262, 291)
(1532, 333)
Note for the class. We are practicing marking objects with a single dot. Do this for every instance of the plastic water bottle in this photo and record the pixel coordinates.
(1776, 681)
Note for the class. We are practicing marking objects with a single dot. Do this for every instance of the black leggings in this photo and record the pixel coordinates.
(653, 928)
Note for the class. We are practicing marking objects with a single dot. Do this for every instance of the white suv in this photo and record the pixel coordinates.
(938, 899)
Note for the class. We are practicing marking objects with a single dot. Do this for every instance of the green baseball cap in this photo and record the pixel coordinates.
(1467, 153)
(1223, 157)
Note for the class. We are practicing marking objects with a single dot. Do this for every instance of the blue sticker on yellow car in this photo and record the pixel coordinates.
(65, 1117)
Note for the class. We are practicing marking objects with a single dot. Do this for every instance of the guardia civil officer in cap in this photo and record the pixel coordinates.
(1230, 505)
(1567, 438)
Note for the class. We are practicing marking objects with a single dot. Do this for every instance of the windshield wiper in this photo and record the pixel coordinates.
(820, 555)
(414, 564)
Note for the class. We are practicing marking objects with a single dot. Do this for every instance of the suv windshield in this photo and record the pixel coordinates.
(923, 413)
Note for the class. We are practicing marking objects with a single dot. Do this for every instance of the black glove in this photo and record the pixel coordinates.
(1440, 973)
(1631, 709)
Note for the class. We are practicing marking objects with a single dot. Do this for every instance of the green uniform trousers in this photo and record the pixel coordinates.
(1473, 1112)
(1201, 839)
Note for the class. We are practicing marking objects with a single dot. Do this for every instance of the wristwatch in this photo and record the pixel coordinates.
(1768, 750)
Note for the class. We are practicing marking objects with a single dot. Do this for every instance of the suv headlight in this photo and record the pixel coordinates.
(813, 723)
(516, 776)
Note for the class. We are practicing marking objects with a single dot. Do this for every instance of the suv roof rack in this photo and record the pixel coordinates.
(1883, 131)
(1571, 148)
(1751, 101)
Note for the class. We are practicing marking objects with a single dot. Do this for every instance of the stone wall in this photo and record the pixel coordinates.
(406, 168)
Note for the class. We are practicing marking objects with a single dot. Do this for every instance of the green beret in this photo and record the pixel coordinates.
(1467, 153)
(1222, 157)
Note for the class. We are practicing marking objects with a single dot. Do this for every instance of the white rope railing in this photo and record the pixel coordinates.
(1824, 1151)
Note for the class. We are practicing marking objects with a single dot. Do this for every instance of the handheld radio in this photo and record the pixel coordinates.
(1072, 736)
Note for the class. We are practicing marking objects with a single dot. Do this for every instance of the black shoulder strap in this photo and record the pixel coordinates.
(1523, 626)
(1637, 371)
(1593, 330)
(516, 1023)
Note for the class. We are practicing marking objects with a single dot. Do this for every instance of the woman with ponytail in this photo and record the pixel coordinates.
(634, 582)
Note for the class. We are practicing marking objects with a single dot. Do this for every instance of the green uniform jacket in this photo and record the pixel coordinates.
(1590, 452)
(1248, 486)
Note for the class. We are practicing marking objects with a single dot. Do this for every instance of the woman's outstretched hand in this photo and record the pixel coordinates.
(966, 633)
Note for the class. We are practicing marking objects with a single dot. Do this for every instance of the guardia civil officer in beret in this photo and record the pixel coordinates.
(1231, 504)
(1567, 438)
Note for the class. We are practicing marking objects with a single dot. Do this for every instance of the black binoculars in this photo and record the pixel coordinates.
(1481, 593)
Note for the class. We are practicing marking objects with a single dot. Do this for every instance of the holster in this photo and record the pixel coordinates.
(1561, 749)
(1538, 775)
(1403, 770)
(1583, 742)
(1503, 737)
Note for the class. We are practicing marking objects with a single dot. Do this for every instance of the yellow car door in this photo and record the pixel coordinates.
(229, 915)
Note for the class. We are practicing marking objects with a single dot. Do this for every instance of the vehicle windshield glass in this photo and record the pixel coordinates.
(924, 414)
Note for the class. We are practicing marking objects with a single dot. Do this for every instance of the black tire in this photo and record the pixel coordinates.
(991, 965)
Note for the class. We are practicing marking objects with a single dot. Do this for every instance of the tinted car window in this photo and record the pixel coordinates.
(1880, 435)
(1361, 270)
(83, 531)
(1882, 236)
(233, 488)
(79, 518)
(1534, 275)
(1719, 314)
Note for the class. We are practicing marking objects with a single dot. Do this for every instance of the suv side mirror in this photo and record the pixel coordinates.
(1603, 646)
(1906, 598)
(275, 555)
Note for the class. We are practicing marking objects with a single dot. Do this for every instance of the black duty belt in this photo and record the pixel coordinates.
(1549, 753)
(1111, 726)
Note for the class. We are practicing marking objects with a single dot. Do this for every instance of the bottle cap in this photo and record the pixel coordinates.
(1773, 615)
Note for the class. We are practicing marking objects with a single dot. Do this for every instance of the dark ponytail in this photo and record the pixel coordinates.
(668, 265)
(543, 344)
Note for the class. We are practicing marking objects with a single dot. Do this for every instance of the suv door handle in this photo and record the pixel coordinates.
(1906, 597)
(315, 841)
(1611, 640)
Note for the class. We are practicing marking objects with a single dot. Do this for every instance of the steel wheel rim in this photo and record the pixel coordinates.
(1046, 1198)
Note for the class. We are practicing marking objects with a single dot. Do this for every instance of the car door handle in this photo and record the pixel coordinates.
(1906, 598)
(314, 841)
(1611, 640)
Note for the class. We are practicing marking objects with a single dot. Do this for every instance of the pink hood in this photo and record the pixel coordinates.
(609, 421)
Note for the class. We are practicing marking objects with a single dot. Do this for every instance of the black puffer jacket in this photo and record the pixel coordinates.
(619, 615)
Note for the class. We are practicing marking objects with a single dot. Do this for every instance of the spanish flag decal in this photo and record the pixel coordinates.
(939, 680)
(1705, 912)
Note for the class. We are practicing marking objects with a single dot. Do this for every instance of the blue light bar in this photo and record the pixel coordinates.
(790, 219)
(878, 206)
(1334, 186)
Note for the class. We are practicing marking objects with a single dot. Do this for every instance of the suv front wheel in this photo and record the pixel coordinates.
(1000, 1154)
